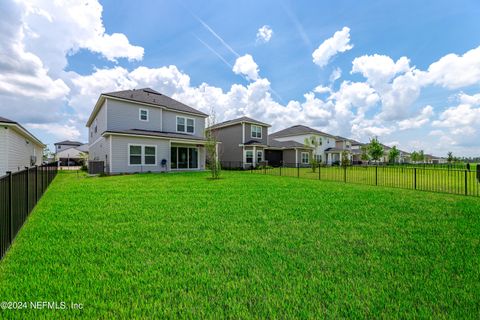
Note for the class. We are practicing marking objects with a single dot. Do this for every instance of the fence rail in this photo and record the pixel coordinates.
(19, 193)
(445, 180)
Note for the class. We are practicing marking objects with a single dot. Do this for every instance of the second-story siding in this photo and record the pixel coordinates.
(100, 122)
(230, 138)
(170, 122)
(248, 134)
(123, 115)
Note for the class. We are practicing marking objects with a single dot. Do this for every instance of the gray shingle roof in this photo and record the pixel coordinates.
(157, 134)
(298, 130)
(285, 144)
(69, 143)
(238, 120)
(147, 95)
(2, 119)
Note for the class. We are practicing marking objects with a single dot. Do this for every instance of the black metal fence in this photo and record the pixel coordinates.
(19, 193)
(446, 180)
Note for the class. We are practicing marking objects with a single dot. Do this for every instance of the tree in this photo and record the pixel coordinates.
(211, 147)
(421, 156)
(393, 154)
(450, 157)
(47, 154)
(345, 158)
(375, 149)
(313, 142)
(365, 156)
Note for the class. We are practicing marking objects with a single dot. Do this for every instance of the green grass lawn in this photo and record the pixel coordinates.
(246, 246)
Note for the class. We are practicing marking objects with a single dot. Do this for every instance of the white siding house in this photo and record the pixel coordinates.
(18, 147)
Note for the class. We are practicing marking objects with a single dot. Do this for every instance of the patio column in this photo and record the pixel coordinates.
(254, 156)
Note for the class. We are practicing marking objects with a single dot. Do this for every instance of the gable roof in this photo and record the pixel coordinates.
(237, 121)
(69, 143)
(21, 129)
(145, 96)
(286, 144)
(298, 130)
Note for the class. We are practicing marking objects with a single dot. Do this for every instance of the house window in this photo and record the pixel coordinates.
(249, 156)
(143, 114)
(95, 129)
(305, 158)
(318, 157)
(256, 132)
(190, 125)
(184, 158)
(142, 155)
(150, 155)
(185, 125)
(259, 156)
(135, 155)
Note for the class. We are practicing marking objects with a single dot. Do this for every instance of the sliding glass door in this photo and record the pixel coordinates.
(184, 158)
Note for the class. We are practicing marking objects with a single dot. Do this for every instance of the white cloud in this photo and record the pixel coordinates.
(264, 34)
(335, 75)
(340, 42)
(245, 65)
(453, 71)
(59, 132)
(418, 121)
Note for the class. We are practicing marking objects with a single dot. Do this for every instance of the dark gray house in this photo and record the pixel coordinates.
(245, 142)
(143, 130)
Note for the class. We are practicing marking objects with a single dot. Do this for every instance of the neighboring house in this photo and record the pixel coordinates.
(434, 160)
(403, 157)
(299, 133)
(18, 147)
(245, 142)
(70, 152)
(144, 130)
(242, 141)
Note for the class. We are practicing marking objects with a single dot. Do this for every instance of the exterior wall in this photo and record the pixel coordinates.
(62, 147)
(3, 150)
(230, 137)
(327, 142)
(170, 122)
(100, 122)
(248, 134)
(71, 152)
(122, 115)
(100, 150)
(19, 151)
(289, 157)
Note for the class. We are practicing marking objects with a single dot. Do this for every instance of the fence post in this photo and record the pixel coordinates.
(298, 170)
(319, 168)
(281, 169)
(10, 204)
(415, 178)
(36, 184)
(376, 175)
(27, 189)
(466, 182)
(345, 174)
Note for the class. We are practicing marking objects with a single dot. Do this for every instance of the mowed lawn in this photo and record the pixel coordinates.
(246, 246)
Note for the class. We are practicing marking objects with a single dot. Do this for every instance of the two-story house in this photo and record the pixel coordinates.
(70, 152)
(301, 133)
(245, 142)
(143, 130)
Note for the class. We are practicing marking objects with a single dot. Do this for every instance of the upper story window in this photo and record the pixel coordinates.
(256, 132)
(185, 124)
(143, 114)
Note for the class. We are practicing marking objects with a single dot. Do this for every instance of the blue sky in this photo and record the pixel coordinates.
(188, 49)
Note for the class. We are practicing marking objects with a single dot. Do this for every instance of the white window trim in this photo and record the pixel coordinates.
(186, 121)
(261, 158)
(142, 155)
(140, 114)
(308, 157)
(251, 131)
(245, 156)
